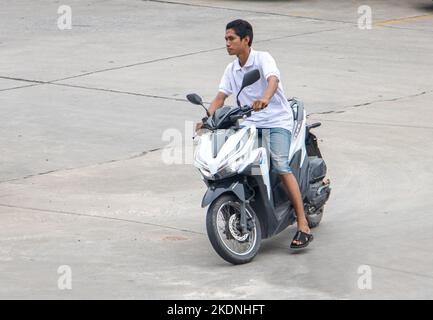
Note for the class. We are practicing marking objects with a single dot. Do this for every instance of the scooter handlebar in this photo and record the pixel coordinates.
(246, 109)
(243, 111)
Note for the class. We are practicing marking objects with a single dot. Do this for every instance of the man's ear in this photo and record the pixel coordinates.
(247, 39)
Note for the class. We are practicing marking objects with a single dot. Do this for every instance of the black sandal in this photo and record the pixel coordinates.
(303, 238)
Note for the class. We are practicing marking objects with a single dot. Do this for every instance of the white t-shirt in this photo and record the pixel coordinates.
(278, 113)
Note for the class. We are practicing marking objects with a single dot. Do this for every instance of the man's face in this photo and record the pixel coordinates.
(234, 44)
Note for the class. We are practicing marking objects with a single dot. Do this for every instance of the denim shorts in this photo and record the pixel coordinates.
(277, 140)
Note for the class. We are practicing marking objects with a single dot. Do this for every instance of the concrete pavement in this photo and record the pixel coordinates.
(83, 184)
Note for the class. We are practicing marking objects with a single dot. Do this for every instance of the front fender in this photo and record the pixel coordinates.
(217, 189)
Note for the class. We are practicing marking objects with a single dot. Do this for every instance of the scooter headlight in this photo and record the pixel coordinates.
(235, 158)
(200, 163)
(230, 164)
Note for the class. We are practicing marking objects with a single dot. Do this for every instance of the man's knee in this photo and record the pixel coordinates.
(281, 166)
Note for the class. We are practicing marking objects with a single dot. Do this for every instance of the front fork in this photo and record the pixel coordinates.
(243, 220)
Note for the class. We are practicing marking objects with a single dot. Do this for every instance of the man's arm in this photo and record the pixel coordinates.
(269, 93)
(218, 102)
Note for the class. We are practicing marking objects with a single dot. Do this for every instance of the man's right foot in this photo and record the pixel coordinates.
(301, 240)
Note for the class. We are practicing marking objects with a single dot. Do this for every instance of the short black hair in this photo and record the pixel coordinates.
(242, 28)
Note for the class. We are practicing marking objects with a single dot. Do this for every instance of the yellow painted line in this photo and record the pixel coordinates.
(404, 20)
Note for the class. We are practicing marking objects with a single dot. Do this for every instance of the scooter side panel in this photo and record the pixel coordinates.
(263, 207)
(301, 172)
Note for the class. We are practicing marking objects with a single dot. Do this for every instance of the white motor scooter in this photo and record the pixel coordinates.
(247, 200)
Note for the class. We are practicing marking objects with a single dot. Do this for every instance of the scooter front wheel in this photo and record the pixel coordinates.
(225, 234)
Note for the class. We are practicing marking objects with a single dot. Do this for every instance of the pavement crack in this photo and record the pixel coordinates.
(380, 124)
(33, 83)
(345, 108)
(417, 274)
(119, 91)
(135, 156)
(136, 64)
(100, 217)
(405, 28)
(249, 11)
(23, 80)
(19, 87)
(181, 56)
(298, 34)
(139, 155)
(55, 82)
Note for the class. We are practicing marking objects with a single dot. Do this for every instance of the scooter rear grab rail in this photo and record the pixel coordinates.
(314, 125)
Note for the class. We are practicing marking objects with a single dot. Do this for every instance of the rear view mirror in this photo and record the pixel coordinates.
(249, 78)
(194, 98)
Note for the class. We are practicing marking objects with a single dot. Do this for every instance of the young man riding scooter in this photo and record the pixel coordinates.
(271, 111)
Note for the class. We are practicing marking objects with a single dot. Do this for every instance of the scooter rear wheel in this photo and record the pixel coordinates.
(225, 235)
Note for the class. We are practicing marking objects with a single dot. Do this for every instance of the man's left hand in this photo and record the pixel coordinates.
(260, 104)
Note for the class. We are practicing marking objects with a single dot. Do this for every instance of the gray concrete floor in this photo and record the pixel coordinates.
(83, 113)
